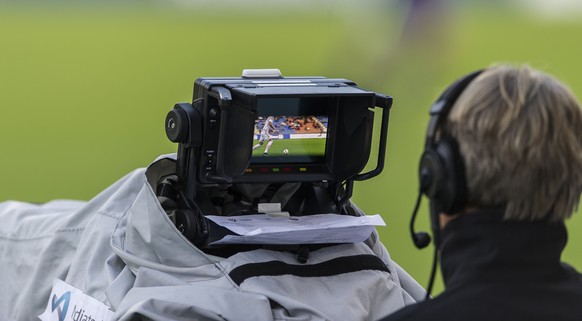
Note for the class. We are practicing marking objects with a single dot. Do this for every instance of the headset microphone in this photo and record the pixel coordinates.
(420, 239)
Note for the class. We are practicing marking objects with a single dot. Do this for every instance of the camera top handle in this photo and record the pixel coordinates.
(384, 102)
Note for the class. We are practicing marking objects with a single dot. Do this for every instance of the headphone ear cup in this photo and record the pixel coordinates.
(442, 176)
(430, 173)
(452, 190)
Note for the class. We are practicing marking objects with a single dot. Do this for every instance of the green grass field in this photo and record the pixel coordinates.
(84, 91)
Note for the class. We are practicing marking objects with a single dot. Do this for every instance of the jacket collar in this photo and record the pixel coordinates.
(482, 247)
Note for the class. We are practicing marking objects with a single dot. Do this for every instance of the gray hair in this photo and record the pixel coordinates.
(520, 136)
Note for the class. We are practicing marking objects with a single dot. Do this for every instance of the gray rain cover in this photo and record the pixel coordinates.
(121, 252)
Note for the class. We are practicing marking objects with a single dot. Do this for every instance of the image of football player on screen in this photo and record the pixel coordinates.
(268, 130)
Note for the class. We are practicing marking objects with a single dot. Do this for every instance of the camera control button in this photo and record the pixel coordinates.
(214, 112)
(210, 160)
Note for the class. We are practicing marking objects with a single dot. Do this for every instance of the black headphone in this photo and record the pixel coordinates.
(441, 169)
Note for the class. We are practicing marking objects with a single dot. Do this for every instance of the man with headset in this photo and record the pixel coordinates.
(502, 168)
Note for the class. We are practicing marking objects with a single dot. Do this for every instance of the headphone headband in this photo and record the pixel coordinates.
(440, 109)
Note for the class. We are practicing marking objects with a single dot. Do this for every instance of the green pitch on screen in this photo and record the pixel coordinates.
(295, 147)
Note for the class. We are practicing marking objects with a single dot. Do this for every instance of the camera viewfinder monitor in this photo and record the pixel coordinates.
(290, 131)
(294, 129)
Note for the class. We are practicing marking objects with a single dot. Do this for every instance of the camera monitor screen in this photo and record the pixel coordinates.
(290, 130)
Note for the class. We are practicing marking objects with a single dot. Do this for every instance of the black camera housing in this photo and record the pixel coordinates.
(215, 136)
(215, 132)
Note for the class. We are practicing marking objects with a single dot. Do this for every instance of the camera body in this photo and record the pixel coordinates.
(216, 132)
(265, 128)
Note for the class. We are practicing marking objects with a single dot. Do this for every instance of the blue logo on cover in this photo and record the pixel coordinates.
(56, 304)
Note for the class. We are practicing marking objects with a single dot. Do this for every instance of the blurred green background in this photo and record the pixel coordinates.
(85, 86)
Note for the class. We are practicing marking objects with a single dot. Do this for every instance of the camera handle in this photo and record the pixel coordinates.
(184, 126)
(384, 102)
(222, 95)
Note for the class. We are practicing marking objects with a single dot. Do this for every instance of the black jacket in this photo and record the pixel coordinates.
(499, 270)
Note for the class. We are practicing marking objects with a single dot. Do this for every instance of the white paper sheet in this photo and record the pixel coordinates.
(311, 229)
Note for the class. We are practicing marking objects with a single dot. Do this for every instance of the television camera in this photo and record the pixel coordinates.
(263, 129)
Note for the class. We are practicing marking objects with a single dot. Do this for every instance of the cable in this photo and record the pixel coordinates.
(432, 273)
